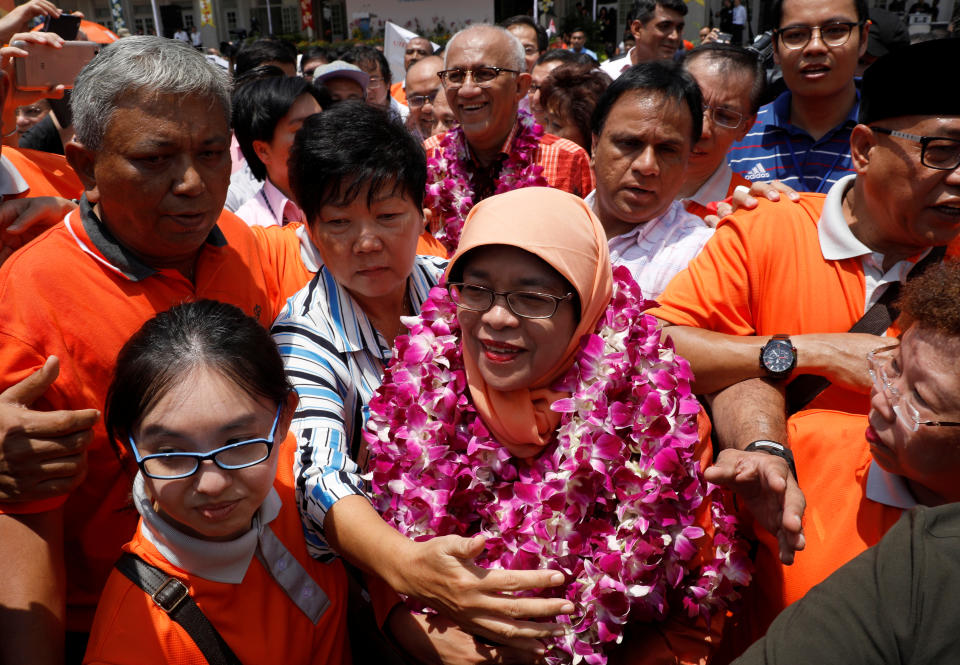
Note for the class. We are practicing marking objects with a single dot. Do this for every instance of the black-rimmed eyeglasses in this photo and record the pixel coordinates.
(239, 455)
(936, 152)
(483, 76)
(525, 304)
(835, 33)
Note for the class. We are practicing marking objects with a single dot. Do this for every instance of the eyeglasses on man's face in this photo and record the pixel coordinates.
(835, 33)
(723, 116)
(238, 455)
(525, 304)
(936, 152)
(482, 76)
(416, 101)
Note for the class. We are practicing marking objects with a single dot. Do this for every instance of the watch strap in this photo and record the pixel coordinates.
(777, 449)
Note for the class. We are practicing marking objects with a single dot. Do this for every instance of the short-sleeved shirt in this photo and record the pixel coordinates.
(776, 149)
(76, 293)
(130, 629)
(335, 359)
(784, 268)
(655, 251)
(565, 165)
(851, 503)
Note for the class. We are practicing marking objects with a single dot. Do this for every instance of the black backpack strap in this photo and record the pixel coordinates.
(805, 388)
(173, 597)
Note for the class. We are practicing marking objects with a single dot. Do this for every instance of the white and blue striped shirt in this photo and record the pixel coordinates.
(335, 358)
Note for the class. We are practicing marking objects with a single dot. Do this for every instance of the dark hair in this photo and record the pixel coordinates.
(257, 108)
(366, 57)
(861, 7)
(262, 51)
(932, 300)
(665, 77)
(523, 19)
(315, 53)
(642, 10)
(578, 29)
(575, 90)
(339, 151)
(203, 334)
(564, 56)
(732, 59)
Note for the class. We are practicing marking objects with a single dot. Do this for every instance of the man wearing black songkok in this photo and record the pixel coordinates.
(811, 271)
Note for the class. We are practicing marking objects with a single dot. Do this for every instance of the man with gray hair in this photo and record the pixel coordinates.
(497, 147)
(151, 149)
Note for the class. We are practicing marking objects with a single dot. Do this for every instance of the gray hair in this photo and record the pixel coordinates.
(143, 64)
(516, 55)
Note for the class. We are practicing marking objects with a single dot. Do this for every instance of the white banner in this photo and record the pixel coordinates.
(395, 41)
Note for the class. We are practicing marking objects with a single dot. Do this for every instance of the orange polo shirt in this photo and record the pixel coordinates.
(75, 293)
(46, 174)
(763, 273)
(840, 522)
(255, 618)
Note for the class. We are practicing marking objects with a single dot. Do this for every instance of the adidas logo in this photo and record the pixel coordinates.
(757, 173)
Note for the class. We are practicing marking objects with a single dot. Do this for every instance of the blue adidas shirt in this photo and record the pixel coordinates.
(777, 150)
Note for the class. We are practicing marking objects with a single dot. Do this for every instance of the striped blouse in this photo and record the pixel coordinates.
(335, 360)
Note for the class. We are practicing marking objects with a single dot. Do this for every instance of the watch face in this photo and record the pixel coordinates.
(778, 356)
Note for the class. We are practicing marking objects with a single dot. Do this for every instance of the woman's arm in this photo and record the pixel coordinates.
(440, 572)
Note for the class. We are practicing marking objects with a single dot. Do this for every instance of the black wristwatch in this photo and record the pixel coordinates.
(775, 448)
(778, 357)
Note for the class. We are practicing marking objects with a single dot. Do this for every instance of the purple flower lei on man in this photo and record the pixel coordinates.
(450, 185)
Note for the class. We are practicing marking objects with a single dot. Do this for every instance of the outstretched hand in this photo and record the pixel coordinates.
(770, 491)
(441, 573)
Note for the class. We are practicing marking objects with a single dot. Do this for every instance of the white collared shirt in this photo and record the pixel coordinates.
(614, 68)
(656, 250)
(714, 188)
(888, 488)
(837, 242)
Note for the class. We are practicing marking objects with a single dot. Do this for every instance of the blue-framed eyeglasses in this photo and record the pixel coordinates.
(239, 455)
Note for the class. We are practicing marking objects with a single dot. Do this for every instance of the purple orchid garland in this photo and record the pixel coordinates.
(450, 186)
(617, 502)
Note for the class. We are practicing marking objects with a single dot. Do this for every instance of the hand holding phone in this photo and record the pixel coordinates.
(45, 66)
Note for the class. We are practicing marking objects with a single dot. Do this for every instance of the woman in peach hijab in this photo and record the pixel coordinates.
(535, 404)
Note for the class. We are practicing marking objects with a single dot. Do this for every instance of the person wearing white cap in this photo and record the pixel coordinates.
(342, 80)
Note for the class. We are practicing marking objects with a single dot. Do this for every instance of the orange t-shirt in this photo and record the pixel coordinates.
(763, 273)
(840, 522)
(74, 293)
(255, 618)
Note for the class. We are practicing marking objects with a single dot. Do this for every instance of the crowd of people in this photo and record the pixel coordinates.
(521, 358)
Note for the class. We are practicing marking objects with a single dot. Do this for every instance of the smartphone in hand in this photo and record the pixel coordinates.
(46, 67)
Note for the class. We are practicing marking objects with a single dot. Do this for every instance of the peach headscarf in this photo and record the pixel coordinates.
(562, 230)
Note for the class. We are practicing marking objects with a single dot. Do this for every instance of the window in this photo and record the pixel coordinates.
(231, 20)
(290, 21)
(187, 21)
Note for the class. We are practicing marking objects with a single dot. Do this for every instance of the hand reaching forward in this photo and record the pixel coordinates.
(765, 483)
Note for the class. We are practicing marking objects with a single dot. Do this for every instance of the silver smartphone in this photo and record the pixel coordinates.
(46, 66)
